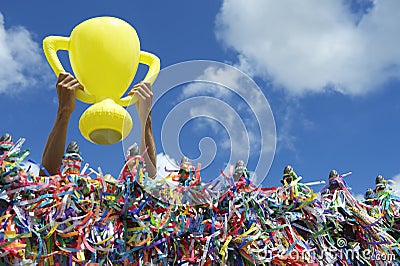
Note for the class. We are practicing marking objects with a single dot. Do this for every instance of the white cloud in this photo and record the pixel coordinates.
(309, 46)
(240, 109)
(218, 76)
(232, 114)
(22, 65)
(164, 161)
(396, 184)
(220, 107)
(229, 120)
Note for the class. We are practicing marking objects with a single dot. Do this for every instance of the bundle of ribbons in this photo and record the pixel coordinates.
(83, 217)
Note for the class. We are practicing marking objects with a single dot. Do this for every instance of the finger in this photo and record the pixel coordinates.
(62, 76)
(140, 95)
(144, 84)
(134, 88)
(143, 92)
(132, 92)
(72, 83)
(147, 84)
(144, 87)
(147, 87)
(66, 79)
(77, 86)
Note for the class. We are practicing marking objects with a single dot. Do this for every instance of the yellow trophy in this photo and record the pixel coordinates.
(104, 53)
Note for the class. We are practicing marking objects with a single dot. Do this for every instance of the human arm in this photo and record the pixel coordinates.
(55, 145)
(143, 106)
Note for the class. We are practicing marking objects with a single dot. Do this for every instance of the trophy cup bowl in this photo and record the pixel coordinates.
(104, 54)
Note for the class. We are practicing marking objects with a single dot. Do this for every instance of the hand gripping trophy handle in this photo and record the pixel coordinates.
(52, 44)
(154, 68)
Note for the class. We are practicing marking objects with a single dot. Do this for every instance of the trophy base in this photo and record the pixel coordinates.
(105, 123)
(105, 136)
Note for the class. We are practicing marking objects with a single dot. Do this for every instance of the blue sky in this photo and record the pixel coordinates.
(330, 72)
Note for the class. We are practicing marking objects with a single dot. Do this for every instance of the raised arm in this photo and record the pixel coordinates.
(55, 145)
(143, 106)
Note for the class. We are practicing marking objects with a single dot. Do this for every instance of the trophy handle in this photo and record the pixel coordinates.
(51, 45)
(154, 68)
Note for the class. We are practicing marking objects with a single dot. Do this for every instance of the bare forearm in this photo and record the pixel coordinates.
(55, 145)
(147, 141)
